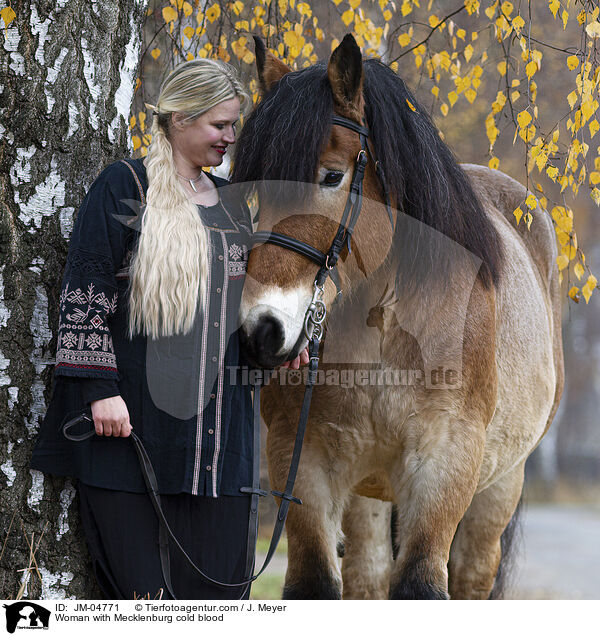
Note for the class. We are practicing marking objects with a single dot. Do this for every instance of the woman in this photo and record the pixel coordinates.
(147, 338)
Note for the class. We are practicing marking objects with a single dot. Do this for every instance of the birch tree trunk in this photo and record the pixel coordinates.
(67, 76)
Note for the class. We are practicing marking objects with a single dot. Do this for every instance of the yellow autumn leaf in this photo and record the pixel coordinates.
(404, 39)
(518, 23)
(572, 98)
(518, 214)
(471, 6)
(593, 29)
(524, 118)
(169, 14)
(460, 33)
(411, 106)
(470, 94)
(213, 13)
(552, 172)
(155, 53)
(527, 134)
(189, 32)
(452, 97)
(491, 10)
(354, 3)
(387, 15)
(238, 7)
(506, 8)
(444, 109)
(187, 9)
(565, 18)
(574, 293)
(502, 68)
(595, 194)
(579, 271)
(136, 141)
(531, 201)
(531, 69)
(587, 293)
(494, 163)
(588, 108)
(565, 223)
(562, 261)
(8, 15)
(572, 62)
(554, 6)
(468, 52)
(347, 16)
(570, 251)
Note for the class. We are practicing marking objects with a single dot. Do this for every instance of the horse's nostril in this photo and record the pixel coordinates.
(268, 336)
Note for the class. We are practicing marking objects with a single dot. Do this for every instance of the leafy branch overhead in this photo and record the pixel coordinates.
(459, 53)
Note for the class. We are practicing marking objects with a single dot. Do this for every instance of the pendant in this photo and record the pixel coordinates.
(192, 185)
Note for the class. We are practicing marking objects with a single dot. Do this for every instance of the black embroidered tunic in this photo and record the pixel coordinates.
(184, 394)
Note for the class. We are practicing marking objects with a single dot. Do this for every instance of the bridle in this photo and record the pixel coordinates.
(313, 330)
(316, 312)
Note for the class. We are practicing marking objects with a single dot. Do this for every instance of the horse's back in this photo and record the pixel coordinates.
(529, 340)
(499, 192)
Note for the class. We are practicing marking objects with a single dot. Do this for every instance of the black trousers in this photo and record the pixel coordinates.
(121, 530)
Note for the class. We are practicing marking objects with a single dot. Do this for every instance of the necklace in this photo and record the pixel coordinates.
(191, 181)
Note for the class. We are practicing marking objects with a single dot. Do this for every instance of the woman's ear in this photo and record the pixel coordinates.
(270, 69)
(177, 121)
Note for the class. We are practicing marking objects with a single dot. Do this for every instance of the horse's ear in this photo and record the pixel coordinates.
(270, 69)
(345, 75)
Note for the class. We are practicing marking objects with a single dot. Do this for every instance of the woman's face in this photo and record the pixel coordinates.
(204, 141)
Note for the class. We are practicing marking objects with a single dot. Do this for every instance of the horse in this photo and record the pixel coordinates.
(442, 352)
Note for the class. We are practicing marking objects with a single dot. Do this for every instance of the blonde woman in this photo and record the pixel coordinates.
(147, 339)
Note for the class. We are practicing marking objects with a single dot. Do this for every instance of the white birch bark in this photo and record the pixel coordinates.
(67, 77)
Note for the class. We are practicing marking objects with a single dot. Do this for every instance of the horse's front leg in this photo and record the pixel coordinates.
(367, 548)
(314, 527)
(434, 481)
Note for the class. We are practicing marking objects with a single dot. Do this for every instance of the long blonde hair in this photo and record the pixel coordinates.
(169, 269)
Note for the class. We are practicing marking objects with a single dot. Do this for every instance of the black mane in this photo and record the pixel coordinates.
(285, 135)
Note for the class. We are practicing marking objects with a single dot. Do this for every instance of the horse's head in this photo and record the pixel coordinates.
(302, 165)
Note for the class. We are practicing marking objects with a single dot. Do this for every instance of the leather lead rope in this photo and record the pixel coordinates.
(286, 496)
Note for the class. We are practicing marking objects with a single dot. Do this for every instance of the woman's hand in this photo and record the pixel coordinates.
(302, 359)
(111, 417)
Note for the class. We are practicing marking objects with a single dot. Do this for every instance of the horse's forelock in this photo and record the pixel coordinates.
(284, 136)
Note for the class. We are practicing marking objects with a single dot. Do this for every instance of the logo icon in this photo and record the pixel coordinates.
(26, 615)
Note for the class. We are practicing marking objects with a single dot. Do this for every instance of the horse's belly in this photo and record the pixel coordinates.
(525, 364)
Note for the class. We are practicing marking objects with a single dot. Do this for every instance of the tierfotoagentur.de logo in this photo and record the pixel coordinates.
(26, 615)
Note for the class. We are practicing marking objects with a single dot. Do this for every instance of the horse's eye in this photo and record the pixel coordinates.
(332, 178)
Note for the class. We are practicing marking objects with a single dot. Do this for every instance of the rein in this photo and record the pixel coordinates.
(313, 330)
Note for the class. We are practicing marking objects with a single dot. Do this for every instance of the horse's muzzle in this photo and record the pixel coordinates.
(262, 342)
